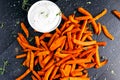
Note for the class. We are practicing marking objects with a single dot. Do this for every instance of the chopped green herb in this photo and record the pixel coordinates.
(14, 35)
(88, 2)
(2, 69)
(1, 25)
(17, 22)
(42, 12)
(46, 15)
(75, 12)
(21, 65)
(25, 5)
(90, 27)
(13, 32)
(31, 39)
(58, 14)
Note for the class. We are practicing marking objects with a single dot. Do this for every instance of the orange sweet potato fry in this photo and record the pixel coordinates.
(48, 72)
(24, 29)
(21, 56)
(69, 39)
(23, 75)
(106, 32)
(87, 43)
(32, 61)
(116, 13)
(23, 39)
(57, 43)
(75, 78)
(37, 41)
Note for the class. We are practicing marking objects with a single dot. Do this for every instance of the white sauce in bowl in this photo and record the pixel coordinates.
(44, 16)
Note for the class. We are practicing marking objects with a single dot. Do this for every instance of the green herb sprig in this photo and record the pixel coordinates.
(2, 69)
(25, 5)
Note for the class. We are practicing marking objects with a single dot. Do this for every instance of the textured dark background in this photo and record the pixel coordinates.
(11, 14)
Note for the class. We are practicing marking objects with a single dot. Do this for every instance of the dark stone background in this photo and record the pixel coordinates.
(11, 14)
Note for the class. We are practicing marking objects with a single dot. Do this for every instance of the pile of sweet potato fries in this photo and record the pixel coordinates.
(69, 52)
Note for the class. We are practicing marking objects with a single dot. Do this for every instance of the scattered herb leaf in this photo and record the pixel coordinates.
(13, 32)
(42, 12)
(58, 14)
(14, 36)
(75, 12)
(88, 2)
(1, 25)
(46, 15)
(25, 5)
(31, 39)
(90, 27)
(17, 22)
(2, 69)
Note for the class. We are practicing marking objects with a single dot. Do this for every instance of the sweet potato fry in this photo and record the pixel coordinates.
(71, 51)
(77, 61)
(32, 61)
(51, 39)
(68, 29)
(100, 15)
(83, 18)
(116, 13)
(20, 43)
(102, 43)
(23, 39)
(64, 17)
(37, 41)
(21, 56)
(99, 28)
(23, 75)
(47, 58)
(43, 36)
(24, 29)
(71, 18)
(106, 32)
(82, 30)
(28, 59)
(36, 75)
(76, 73)
(44, 44)
(33, 77)
(87, 43)
(54, 73)
(48, 65)
(97, 57)
(69, 39)
(57, 43)
(43, 53)
(101, 64)
(30, 47)
(67, 70)
(75, 78)
(40, 61)
(48, 72)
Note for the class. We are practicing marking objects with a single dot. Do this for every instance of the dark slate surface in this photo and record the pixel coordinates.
(11, 14)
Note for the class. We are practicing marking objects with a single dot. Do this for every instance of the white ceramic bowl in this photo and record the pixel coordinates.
(44, 16)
